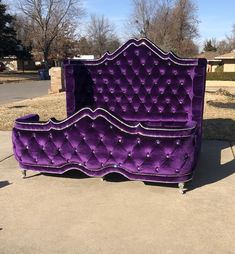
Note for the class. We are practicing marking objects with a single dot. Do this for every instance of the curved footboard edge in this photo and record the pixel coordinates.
(97, 143)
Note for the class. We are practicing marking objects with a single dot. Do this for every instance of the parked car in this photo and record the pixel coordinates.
(2, 66)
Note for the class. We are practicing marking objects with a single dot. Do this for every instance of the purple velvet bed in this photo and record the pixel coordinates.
(137, 112)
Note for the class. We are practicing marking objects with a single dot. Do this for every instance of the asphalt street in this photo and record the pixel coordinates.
(18, 91)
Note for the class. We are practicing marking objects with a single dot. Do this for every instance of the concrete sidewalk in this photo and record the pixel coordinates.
(76, 214)
(5, 145)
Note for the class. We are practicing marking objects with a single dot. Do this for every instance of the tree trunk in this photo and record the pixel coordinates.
(45, 55)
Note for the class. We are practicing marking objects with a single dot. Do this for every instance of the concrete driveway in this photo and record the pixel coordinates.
(76, 214)
(17, 91)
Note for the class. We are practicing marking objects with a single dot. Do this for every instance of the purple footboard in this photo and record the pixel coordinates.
(137, 112)
(97, 143)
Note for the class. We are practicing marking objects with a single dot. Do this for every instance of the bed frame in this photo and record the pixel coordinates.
(137, 112)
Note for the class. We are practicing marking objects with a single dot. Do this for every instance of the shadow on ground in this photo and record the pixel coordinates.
(210, 169)
(112, 177)
(18, 106)
(219, 129)
(218, 104)
(69, 174)
(4, 184)
(20, 98)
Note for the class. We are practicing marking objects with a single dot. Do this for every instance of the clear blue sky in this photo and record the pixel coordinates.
(216, 16)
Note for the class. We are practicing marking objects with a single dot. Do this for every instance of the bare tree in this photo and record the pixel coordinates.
(142, 16)
(223, 47)
(161, 25)
(101, 34)
(226, 45)
(24, 35)
(49, 20)
(85, 46)
(171, 24)
(64, 46)
(184, 24)
(231, 38)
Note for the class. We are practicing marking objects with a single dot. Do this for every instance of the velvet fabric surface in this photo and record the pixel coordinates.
(137, 112)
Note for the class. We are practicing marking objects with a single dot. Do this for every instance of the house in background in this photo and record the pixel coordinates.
(13, 63)
(228, 60)
(10, 62)
(84, 57)
(212, 62)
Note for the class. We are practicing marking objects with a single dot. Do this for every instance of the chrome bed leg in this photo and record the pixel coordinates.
(181, 188)
(103, 178)
(23, 172)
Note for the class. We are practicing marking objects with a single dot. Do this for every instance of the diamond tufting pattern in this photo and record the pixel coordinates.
(95, 143)
(137, 112)
(144, 88)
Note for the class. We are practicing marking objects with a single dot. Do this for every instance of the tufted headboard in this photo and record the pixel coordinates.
(138, 83)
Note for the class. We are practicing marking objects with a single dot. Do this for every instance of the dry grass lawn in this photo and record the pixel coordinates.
(46, 107)
(219, 113)
(219, 116)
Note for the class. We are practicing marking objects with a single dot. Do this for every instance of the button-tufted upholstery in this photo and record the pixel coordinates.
(137, 112)
(138, 83)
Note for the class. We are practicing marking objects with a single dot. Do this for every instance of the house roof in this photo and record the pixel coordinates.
(209, 55)
(230, 55)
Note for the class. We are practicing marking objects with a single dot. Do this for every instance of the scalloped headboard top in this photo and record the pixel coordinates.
(138, 82)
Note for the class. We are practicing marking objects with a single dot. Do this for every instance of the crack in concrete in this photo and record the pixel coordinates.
(6, 158)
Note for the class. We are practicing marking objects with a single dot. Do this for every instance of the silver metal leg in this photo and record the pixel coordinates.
(181, 188)
(103, 178)
(23, 172)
